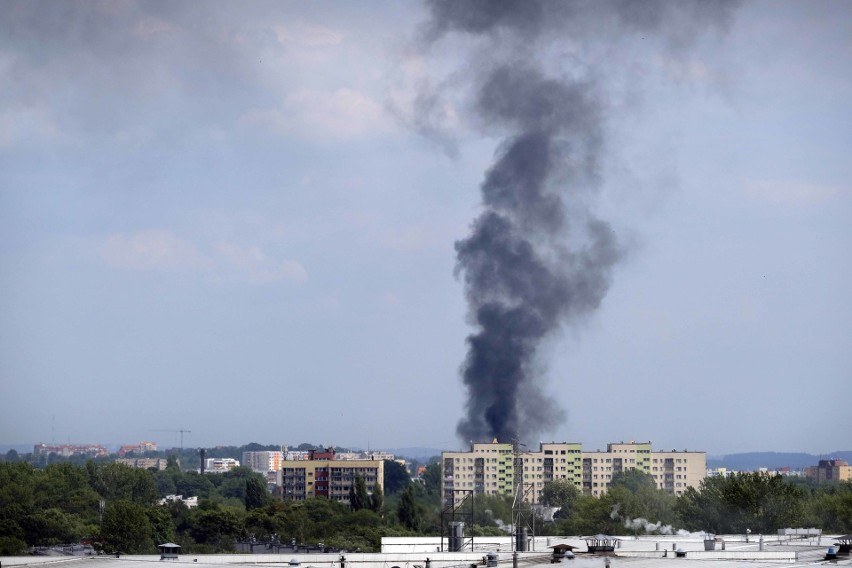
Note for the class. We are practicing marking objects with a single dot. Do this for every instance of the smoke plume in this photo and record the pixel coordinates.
(537, 256)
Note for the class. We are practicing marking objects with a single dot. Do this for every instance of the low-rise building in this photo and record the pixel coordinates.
(144, 463)
(220, 465)
(190, 502)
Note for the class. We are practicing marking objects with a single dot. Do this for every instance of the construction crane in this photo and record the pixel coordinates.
(181, 430)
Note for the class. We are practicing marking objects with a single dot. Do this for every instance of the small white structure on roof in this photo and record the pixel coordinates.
(168, 551)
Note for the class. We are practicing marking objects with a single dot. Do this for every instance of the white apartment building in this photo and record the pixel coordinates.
(491, 468)
(263, 461)
(220, 465)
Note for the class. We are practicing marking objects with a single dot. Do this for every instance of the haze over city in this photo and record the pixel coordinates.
(262, 221)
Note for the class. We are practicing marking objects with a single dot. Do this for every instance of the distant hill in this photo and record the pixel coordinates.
(772, 460)
(415, 453)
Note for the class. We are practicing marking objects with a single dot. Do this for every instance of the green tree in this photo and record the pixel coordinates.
(377, 499)
(407, 512)
(172, 463)
(432, 478)
(256, 494)
(116, 481)
(216, 525)
(560, 493)
(12, 546)
(126, 528)
(830, 508)
(590, 515)
(358, 496)
(53, 526)
(761, 503)
(396, 477)
(162, 525)
(633, 480)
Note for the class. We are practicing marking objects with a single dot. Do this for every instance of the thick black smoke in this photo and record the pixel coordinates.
(523, 280)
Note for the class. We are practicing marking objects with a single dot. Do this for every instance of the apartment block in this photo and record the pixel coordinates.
(144, 463)
(673, 471)
(830, 470)
(493, 468)
(68, 450)
(220, 465)
(322, 475)
(139, 448)
(264, 461)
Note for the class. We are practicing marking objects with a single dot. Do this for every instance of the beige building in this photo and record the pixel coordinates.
(830, 470)
(491, 469)
(322, 475)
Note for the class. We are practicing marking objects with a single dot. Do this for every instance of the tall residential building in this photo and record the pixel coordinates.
(830, 470)
(492, 469)
(322, 475)
(263, 462)
(673, 471)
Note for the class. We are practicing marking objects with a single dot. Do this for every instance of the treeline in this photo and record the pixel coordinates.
(189, 458)
(60, 504)
(747, 501)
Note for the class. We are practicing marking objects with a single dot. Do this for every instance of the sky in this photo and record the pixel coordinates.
(241, 221)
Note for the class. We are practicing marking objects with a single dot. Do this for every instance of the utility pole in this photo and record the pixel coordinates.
(523, 520)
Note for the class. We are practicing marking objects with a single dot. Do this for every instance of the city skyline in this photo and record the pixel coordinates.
(244, 223)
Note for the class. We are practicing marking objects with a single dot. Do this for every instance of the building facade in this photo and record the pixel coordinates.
(69, 450)
(144, 463)
(322, 475)
(494, 469)
(139, 448)
(263, 462)
(830, 470)
(220, 465)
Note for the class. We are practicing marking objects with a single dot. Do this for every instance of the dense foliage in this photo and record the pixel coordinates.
(61, 503)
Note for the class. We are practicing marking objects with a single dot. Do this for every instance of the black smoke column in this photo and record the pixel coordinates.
(537, 256)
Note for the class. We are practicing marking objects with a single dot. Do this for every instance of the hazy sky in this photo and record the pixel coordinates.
(235, 218)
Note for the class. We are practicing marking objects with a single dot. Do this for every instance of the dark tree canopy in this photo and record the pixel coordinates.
(256, 494)
(377, 499)
(396, 477)
(126, 528)
(633, 480)
(407, 512)
(760, 503)
(559, 493)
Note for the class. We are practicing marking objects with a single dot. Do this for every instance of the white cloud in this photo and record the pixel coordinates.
(341, 114)
(28, 126)
(149, 27)
(254, 265)
(790, 192)
(156, 249)
(390, 299)
(160, 250)
(307, 35)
